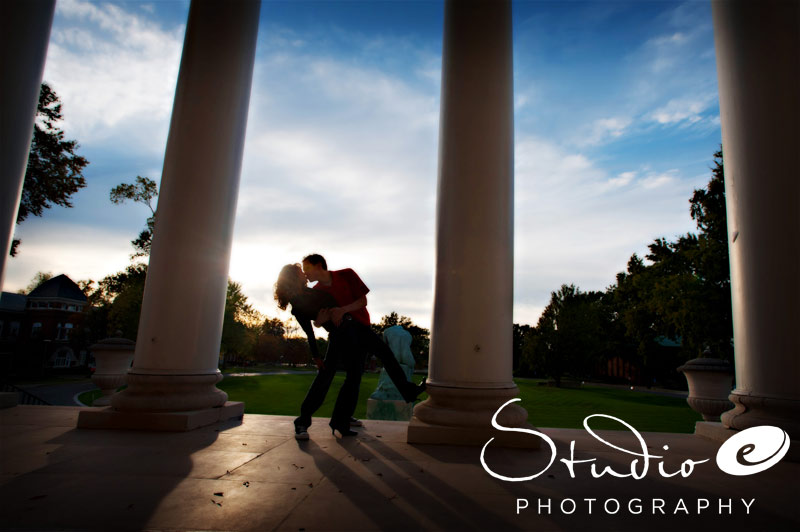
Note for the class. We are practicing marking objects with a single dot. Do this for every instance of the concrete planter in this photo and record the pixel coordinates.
(113, 357)
(710, 382)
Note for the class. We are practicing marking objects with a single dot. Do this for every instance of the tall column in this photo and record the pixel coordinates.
(758, 69)
(177, 347)
(470, 372)
(24, 34)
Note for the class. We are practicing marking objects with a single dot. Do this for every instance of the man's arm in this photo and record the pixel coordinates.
(338, 313)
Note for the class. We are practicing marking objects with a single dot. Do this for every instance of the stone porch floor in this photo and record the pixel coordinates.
(252, 475)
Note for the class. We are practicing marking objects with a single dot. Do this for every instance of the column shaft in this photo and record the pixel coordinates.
(177, 347)
(758, 68)
(470, 372)
(24, 35)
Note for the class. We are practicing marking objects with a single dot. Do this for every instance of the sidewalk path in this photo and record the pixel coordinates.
(59, 394)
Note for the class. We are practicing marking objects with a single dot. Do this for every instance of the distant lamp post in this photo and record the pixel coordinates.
(113, 357)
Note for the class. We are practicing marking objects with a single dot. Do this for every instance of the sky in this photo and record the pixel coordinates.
(616, 121)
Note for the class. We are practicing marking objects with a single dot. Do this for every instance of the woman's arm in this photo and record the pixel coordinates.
(305, 324)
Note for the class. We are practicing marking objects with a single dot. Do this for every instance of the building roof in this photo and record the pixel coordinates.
(61, 287)
(12, 302)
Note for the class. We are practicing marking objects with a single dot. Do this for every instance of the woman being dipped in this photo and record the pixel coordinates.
(309, 306)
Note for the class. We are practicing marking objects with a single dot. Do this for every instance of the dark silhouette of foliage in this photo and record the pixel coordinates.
(420, 337)
(673, 305)
(55, 171)
(144, 190)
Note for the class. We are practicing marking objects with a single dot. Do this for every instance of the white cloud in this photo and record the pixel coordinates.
(115, 71)
(344, 164)
(604, 130)
(77, 250)
(575, 224)
(659, 180)
(678, 110)
(341, 159)
(622, 179)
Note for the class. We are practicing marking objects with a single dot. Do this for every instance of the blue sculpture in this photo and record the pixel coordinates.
(399, 341)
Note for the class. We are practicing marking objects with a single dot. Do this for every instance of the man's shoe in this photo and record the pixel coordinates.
(413, 391)
(355, 422)
(300, 432)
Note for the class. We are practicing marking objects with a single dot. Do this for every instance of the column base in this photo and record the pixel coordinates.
(108, 418)
(463, 416)
(713, 430)
(169, 393)
(754, 411)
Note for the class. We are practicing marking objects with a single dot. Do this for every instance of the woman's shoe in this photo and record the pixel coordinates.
(344, 431)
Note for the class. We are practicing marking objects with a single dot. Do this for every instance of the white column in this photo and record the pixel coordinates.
(758, 69)
(24, 35)
(470, 372)
(177, 347)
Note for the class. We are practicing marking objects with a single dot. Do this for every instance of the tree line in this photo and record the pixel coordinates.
(670, 306)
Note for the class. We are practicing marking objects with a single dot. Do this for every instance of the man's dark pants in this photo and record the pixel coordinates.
(344, 349)
(348, 344)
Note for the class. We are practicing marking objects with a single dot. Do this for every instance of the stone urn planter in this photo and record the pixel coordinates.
(113, 357)
(710, 382)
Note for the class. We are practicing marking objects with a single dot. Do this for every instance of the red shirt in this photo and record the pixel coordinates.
(346, 286)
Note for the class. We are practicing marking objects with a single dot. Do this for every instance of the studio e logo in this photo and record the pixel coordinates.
(753, 450)
(748, 452)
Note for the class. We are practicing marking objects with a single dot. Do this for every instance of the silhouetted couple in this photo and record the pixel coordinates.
(338, 303)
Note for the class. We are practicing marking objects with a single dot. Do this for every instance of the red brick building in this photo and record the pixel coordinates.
(41, 330)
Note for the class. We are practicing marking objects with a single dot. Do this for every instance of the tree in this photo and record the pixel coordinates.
(691, 292)
(240, 326)
(119, 302)
(420, 337)
(273, 327)
(144, 190)
(683, 294)
(520, 332)
(55, 171)
(37, 280)
(571, 333)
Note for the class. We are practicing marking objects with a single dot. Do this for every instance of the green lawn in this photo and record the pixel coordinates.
(561, 407)
(547, 406)
(88, 397)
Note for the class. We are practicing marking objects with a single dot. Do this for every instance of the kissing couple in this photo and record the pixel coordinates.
(337, 303)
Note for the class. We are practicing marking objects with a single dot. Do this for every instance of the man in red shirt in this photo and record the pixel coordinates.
(345, 286)
(354, 332)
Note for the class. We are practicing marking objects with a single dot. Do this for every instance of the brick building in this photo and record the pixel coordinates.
(43, 329)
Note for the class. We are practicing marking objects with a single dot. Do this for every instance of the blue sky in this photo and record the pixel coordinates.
(616, 121)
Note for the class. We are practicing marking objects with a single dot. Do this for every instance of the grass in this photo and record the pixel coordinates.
(88, 398)
(547, 406)
(566, 408)
(282, 394)
(91, 396)
(266, 368)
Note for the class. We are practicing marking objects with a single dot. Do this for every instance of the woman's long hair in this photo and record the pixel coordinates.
(289, 284)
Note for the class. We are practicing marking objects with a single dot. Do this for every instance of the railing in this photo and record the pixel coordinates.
(23, 397)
